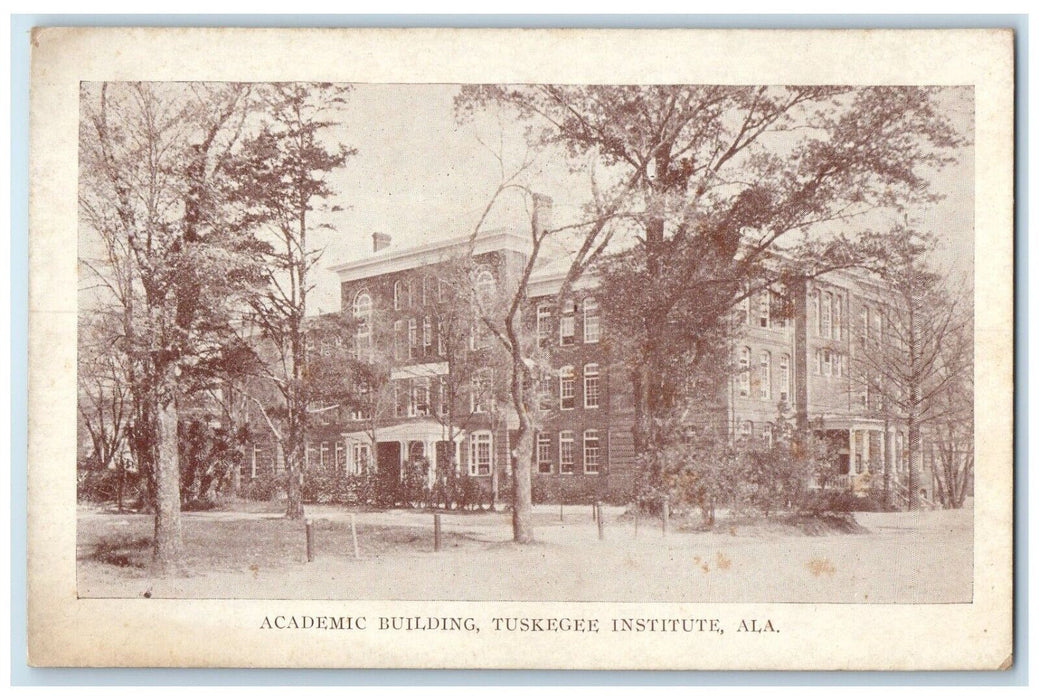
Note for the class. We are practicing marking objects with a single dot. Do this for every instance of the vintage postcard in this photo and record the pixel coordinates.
(582, 349)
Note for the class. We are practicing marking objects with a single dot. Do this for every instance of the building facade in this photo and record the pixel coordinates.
(446, 401)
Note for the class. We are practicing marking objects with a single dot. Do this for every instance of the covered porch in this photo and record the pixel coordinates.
(863, 447)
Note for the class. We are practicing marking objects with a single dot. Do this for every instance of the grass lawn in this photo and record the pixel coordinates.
(254, 553)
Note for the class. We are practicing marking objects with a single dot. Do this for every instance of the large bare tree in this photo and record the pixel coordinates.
(149, 157)
(713, 183)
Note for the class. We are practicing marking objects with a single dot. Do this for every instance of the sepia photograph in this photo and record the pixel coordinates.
(507, 359)
(642, 343)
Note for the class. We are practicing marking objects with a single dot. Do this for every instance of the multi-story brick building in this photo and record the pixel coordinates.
(447, 402)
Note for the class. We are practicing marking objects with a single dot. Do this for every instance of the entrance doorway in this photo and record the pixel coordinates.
(388, 475)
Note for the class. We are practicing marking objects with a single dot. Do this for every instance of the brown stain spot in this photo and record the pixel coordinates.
(723, 562)
(706, 569)
(255, 569)
(696, 560)
(818, 567)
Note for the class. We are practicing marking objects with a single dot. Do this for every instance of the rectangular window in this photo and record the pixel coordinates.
(480, 454)
(566, 323)
(827, 363)
(744, 377)
(838, 316)
(591, 452)
(566, 452)
(764, 310)
(544, 454)
(444, 397)
(827, 322)
(778, 311)
(401, 398)
(743, 311)
(360, 454)
(420, 396)
(325, 452)
(481, 399)
(784, 378)
(427, 336)
(256, 461)
(591, 320)
(360, 412)
(765, 376)
(544, 329)
(566, 388)
(399, 341)
(413, 348)
(546, 401)
(591, 386)
(339, 456)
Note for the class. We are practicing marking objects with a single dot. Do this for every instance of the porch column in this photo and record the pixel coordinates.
(866, 435)
(851, 454)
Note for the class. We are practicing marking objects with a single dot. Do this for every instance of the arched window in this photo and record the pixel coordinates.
(744, 378)
(399, 295)
(485, 285)
(765, 376)
(363, 316)
(591, 320)
(746, 430)
(784, 378)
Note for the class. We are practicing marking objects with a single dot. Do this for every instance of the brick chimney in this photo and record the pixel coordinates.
(380, 241)
(542, 212)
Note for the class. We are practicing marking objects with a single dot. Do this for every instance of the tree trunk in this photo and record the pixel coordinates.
(522, 503)
(887, 463)
(914, 450)
(294, 483)
(168, 552)
(522, 507)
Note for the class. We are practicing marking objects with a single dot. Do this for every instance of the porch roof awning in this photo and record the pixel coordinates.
(425, 431)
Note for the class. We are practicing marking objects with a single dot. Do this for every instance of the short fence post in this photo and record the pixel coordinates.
(436, 532)
(309, 526)
(598, 517)
(594, 514)
(666, 512)
(638, 507)
(353, 533)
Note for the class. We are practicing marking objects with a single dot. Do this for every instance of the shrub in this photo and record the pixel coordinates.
(101, 486)
(266, 487)
(838, 502)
